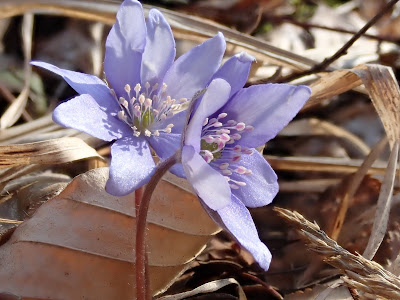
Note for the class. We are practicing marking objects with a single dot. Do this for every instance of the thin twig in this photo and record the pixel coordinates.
(342, 51)
(142, 284)
(308, 26)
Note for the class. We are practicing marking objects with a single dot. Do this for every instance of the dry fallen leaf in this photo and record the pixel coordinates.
(80, 244)
(54, 151)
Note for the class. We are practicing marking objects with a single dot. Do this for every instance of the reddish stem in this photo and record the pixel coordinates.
(142, 284)
(138, 199)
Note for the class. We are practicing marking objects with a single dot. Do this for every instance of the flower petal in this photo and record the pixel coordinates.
(214, 98)
(131, 165)
(261, 186)
(193, 70)
(159, 53)
(236, 71)
(124, 47)
(237, 220)
(266, 107)
(84, 114)
(84, 84)
(165, 145)
(209, 184)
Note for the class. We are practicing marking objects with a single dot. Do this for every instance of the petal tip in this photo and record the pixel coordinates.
(245, 57)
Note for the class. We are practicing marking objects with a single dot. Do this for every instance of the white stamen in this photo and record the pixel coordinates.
(137, 89)
(141, 99)
(147, 103)
(222, 115)
(147, 133)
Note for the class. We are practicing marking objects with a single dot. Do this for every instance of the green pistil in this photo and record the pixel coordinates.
(211, 147)
(147, 118)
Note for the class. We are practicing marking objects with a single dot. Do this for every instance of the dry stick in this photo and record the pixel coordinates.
(342, 51)
(142, 284)
(308, 26)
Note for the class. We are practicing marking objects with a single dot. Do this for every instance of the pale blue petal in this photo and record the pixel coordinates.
(159, 53)
(237, 220)
(178, 120)
(131, 165)
(84, 84)
(192, 71)
(124, 47)
(84, 114)
(214, 98)
(261, 186)
(266, 107)
(165, 145)
(208, 184)
(236, 71)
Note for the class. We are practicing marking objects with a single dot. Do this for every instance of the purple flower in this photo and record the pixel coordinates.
(218, 155)
(142, 104)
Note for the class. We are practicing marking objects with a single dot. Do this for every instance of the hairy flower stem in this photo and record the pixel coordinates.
(142, 284)
(138, 199)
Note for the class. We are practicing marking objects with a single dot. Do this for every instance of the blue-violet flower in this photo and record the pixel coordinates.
(141, 106)
(219, 156)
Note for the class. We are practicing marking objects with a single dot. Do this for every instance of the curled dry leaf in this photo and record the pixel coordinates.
(384, 92)
(80, 244)
(380, 83)
(383, 206)
(22, 196)
(208, 287)
(54, 151)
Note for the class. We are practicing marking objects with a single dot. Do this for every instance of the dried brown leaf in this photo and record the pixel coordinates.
(83, 242)
(47, 152)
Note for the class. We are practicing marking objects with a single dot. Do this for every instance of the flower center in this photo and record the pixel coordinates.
(220, 148)
(145, 109)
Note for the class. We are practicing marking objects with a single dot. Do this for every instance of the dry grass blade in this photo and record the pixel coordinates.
(190, 26)
(208, 287)
(353, 186)
(26, 129)
(313, 126)
(14, 112)
(307, 185)
(384, 92)
(383, 205)
(47, 152)
(322, 164)
(363, 274)
(7, 221)
(330, 85)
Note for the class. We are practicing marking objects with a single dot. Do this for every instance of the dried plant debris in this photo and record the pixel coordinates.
(362, 274)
